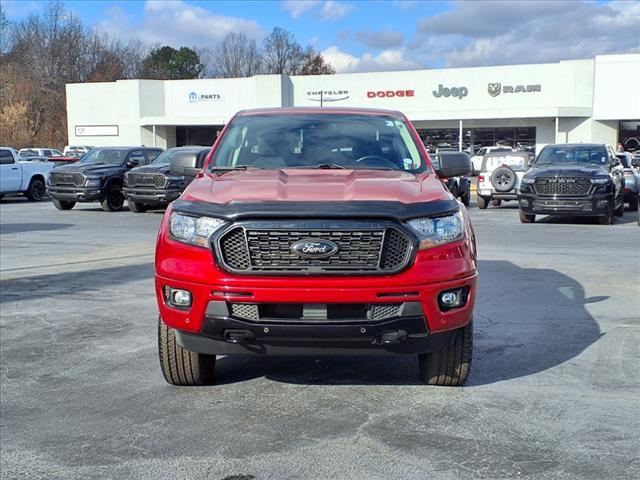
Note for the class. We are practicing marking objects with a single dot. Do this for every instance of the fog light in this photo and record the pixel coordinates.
(453, 298)
(177, 297)
(602, 203)
(524, 203)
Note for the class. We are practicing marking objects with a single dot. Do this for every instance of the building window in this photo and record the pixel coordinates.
(475, 138)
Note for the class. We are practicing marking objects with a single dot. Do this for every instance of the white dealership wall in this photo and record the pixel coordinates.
(568, 101)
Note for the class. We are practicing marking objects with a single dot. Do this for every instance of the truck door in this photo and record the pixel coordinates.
(10, 172)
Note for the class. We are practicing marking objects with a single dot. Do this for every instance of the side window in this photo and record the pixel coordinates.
(152, 154)
(46, 153)
(201, 157)
(5, 157)
(136, 157)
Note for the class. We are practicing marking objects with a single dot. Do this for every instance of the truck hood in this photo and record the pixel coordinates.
(90, 168)
(568, 170)
(315, 185)
(160, 168)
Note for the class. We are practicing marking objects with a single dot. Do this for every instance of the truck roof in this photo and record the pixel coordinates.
(318, 110)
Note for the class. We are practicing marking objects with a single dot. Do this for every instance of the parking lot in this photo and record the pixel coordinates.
(554, 390)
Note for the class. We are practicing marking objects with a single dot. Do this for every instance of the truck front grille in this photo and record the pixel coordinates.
(378, 249)
(300, 312)
(66, 179)
(146, 179)
(562, 186)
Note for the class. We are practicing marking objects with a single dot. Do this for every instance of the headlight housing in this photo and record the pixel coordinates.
(528, 180)
(193, 230)
(93, 182)
(601, 181)
(434, 232)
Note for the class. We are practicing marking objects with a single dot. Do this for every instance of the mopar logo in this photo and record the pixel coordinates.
(204, 97)
(313, 248)
(193, 97)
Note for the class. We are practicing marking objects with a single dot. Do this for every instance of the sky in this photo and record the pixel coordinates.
(356, 36)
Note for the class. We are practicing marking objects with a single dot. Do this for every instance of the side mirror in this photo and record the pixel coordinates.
(133, 162)
(452, 164)
(185, 164)
(635, 162)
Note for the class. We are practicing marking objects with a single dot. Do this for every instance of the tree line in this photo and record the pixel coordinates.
(47, 50)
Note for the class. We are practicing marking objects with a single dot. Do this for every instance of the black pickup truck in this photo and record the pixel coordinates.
(573, 179)
(155, 185)
(97, 177)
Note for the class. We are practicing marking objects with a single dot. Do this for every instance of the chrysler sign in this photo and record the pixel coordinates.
(327, 95)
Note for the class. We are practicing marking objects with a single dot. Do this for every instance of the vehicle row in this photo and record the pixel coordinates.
(565, 179)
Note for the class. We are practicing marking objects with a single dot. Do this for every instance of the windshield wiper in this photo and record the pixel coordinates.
(229, 168)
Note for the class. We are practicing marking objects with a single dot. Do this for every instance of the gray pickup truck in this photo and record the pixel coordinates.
(27, 177)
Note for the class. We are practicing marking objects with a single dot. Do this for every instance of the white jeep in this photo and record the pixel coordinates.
(500, 177)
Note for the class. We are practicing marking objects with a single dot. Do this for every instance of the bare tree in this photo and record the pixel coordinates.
(282, 53)
(236, 56)
(314, 63)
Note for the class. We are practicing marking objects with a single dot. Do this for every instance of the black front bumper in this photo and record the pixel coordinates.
(224, 335)
(77, 194)
(159, 196)
(592, 205)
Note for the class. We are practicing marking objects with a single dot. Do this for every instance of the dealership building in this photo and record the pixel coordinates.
(593, 100)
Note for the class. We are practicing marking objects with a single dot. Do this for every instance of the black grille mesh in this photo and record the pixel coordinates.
(335, 311)
(234, 249)
(380, 312)
(256, 250)
(146, 179)
(245, 310)
(396, 246)
(562, 186)
(64, 178)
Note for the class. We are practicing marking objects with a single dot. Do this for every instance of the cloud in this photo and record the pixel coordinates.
(380, 39)
(334, 10)
(177, 23)
(19, 8)
(296, 8)
(405, 4)
(387, 60)
(502, 33)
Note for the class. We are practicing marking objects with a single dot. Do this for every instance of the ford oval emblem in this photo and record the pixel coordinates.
(314, 248)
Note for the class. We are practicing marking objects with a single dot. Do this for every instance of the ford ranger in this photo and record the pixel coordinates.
(317, 231)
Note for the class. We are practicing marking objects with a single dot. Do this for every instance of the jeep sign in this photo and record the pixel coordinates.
(459, 92)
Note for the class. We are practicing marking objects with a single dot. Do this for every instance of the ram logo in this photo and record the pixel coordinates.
(494, 89)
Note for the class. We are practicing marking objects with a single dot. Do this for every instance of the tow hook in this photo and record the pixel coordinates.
(390, 337)
(238, 336)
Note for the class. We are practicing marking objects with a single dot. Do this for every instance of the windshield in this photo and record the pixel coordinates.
(318, 141)
(165, 157)
(588, 155)
(110, 156)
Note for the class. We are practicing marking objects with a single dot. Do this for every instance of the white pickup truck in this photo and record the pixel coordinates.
(27, 177)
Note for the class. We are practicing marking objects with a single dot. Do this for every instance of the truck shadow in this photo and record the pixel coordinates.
(526, 321)
(32, 227)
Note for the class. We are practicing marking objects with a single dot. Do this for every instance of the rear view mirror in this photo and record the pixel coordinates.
(452, 164)
(185, 164)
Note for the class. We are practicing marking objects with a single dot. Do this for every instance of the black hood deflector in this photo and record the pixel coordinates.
(352, 209)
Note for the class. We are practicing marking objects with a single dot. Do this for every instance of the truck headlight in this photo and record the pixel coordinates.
(527, 181)
(193, 230)
(438, 231)
(600, 181)
(93, 182)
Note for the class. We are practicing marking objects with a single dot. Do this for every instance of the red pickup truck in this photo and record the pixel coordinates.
(317, 231)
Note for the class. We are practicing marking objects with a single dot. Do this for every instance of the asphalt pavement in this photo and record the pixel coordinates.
(554, 390)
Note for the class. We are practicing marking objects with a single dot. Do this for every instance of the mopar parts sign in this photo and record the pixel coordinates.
(204, 97)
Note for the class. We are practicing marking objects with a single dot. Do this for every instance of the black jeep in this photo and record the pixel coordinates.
(573, 179)
(155, 185)
(97, 177)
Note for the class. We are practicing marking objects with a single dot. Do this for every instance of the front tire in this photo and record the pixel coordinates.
(36, 190)
(482, 203)
(633, 203)
(607, 219)
(137, 207)
(62, 205)
(525, 218)
(181, 366)
(449, 366)
(113, 200)
(620, 210)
